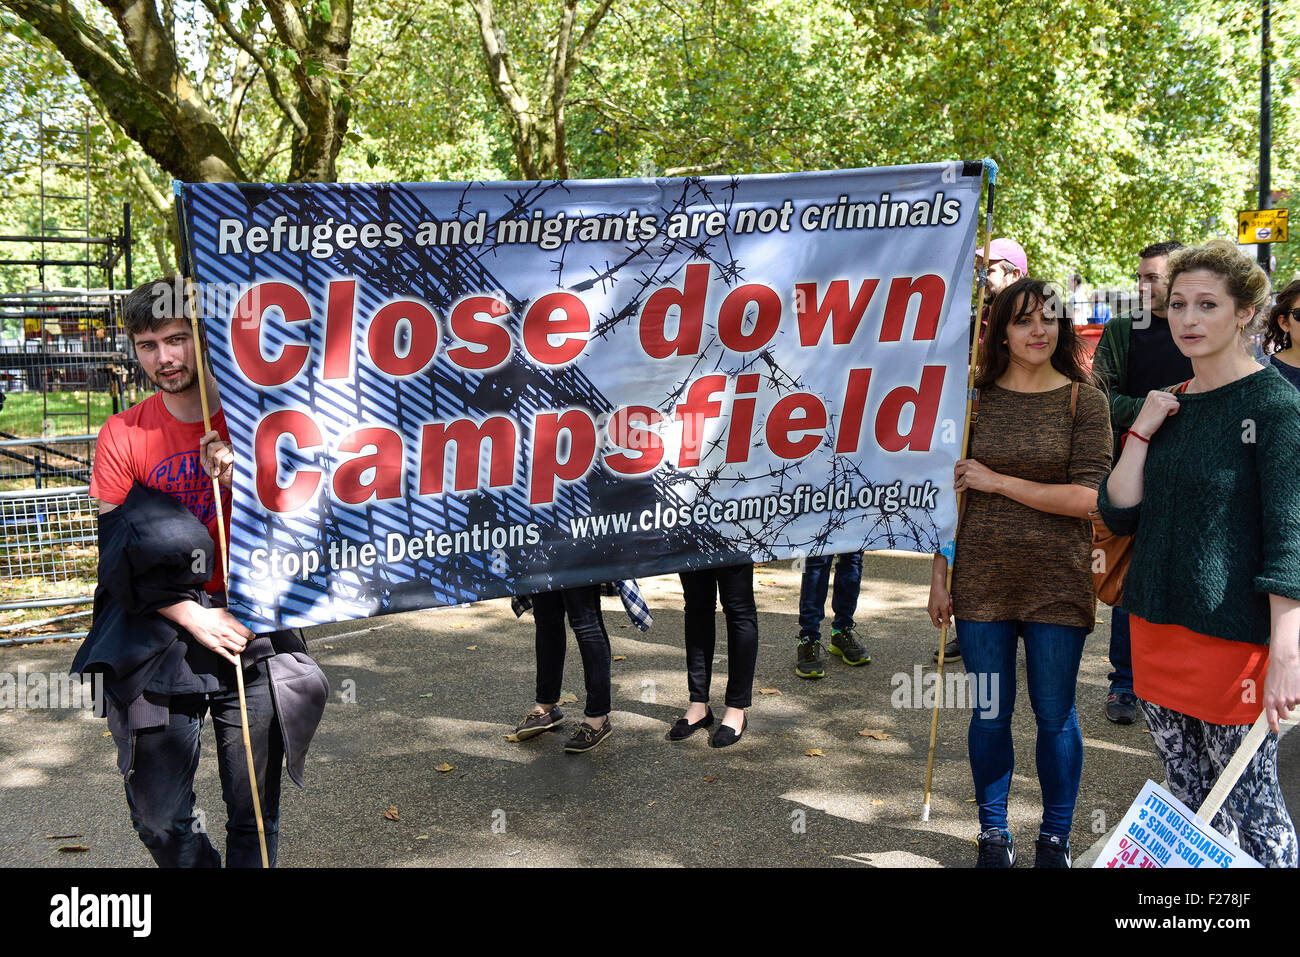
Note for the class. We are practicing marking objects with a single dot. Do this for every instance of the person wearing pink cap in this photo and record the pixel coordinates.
(1007, 264)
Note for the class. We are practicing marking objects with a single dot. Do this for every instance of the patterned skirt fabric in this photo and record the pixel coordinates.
(1195, 752)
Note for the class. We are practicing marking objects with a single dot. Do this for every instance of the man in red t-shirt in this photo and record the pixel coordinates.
(161, 443)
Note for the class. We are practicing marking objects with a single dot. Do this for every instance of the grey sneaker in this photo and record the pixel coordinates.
(809, 661)
(585, 737)
(534, 723)
(1121, 707)
(845, 644)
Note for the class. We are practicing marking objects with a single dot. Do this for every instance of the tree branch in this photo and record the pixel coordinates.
(273, 149)
(506, 87)
(167, 119)
(272, 83)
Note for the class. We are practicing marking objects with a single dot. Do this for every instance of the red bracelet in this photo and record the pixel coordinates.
(1138, 436)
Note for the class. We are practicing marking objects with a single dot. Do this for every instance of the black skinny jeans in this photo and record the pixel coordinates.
(735, 584)
(582, 605)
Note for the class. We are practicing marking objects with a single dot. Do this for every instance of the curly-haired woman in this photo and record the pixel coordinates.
(1207, 484)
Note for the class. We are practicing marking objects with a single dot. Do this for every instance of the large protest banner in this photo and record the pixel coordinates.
(448, 392)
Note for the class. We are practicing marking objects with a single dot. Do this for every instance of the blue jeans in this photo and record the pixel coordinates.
(812, 593)
(160, 783)
(1121, 652)
(1052, 655)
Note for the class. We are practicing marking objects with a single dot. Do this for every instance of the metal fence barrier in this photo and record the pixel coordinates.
(48, 552)
(48, 461)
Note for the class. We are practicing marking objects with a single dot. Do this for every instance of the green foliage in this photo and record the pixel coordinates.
(1114, 122)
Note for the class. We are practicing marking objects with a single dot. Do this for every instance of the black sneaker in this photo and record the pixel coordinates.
(585, 737)
(845, 644)
(534, 723)
(1121, 707)
(1051, 850)
(809, 661)
(996, 849)
(951, 651)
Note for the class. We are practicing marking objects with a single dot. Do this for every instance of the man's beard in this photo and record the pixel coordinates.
(174, 386)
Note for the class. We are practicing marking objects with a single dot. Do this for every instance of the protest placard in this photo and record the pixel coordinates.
(1158, 830)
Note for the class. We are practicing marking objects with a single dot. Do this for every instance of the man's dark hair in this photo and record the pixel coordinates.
(153, 305)
(1160, 249)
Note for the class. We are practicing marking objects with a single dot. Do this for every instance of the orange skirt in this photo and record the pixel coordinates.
(1218, 681)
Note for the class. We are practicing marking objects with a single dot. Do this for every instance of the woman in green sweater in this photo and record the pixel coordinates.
(1207, 483)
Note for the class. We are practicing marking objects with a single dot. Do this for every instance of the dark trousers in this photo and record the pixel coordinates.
(160, 782)
(582, 605)
(1121, 652)
(701, 589)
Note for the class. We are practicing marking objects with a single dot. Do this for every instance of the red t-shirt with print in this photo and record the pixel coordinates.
(149, 445)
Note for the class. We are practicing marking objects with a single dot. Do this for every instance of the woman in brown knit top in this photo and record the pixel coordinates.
(1040, 447)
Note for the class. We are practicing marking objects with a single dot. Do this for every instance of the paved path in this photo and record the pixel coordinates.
(444, 686)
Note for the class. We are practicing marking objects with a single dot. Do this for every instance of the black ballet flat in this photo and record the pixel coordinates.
(684, 729)
(724, 737)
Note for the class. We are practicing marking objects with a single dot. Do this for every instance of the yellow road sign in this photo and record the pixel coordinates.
(1262, 226)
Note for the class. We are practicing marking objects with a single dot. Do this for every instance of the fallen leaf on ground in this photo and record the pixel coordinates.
(429, 695)
(568, 697)
(62, 837)
(815, 753)
(876, 803)
(460, 624)
(769, 582)
(73, 849)
(331, 648)
(770, 691)
(968, 800)
(873, 733)
(109, 734)
(620, 657)
(711, 778)
(444, 767)
(422, 837)
(467, 648)
(652, 804)
(391, 814)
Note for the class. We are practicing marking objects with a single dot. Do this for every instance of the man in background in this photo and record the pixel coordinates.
(1136, 355)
